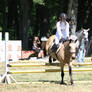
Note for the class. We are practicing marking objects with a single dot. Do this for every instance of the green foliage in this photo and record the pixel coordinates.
(38, 1)
(1, 22)
(12, 20)
(53, 20)
(12, 35)
(54, 6)
(30, 32)
(90, 55)
(1, 29)
(0, 17)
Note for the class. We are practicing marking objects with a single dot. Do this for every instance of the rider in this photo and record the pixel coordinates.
(62, 32)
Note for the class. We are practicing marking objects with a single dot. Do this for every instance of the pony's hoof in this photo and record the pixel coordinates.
(72, 84)
(63, 83)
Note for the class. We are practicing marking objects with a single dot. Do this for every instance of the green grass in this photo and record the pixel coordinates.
(47, 87)
(77, 76)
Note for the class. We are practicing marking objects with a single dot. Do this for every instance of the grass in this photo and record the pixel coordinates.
(47, 87)
(49, 82)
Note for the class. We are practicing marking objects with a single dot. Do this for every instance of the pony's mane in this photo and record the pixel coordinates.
(79, 31)
(66, 43)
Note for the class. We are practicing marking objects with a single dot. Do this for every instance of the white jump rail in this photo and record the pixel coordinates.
(44, 64)
(48, 70)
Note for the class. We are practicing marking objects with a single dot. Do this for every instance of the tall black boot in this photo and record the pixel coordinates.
(62, 40)
(53, 48)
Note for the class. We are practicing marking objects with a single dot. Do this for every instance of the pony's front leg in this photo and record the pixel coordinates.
(50, 59)
(70, 73)
(62, 74)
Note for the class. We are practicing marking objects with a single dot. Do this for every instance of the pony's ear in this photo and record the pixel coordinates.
(88, 29)
(70, 40)
(76, 40)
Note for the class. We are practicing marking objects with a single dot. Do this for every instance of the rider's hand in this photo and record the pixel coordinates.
(67, 38)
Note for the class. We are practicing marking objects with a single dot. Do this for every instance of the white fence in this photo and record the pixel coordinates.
(14, 49)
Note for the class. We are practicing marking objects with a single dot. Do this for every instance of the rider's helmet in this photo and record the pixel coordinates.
(63, 15)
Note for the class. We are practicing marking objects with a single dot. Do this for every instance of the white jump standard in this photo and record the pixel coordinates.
(6, 77)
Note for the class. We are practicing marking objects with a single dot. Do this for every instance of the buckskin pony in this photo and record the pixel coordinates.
(65, 55)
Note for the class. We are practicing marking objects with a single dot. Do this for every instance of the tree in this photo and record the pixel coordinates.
(85, 15)
(42, 25)
(12, 21)
(23, 18)
(69, 11)
(4, 6)
(72, 13)
(24, 22)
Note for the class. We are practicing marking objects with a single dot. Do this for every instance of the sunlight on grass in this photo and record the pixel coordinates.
(48, 82)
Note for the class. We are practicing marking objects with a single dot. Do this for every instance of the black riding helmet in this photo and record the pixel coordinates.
(63, 15)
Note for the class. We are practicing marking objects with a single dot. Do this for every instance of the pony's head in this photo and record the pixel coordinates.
(85, 34)
(74, 38)
(73, 46)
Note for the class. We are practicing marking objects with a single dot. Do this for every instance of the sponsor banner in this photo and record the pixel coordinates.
(13, 50)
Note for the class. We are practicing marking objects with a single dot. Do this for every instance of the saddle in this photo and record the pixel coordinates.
(55, 48)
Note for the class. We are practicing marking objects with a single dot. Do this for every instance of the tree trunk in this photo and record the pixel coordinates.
(73, 14)
(42, 21)
(24, 23)
(69, 11)
(4, 4)
(12, 18)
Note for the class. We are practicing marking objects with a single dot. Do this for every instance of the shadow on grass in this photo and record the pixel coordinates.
(51, 81)
(55, 82)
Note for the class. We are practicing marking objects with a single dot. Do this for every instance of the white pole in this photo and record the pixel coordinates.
(6, 51)
(6, 77)
(0, 45)
(0, 50)
(0, 36)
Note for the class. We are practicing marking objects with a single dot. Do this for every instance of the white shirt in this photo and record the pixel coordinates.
(63, 29)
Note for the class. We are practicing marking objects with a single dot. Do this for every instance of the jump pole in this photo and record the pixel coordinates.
(7, 77)
(0, 51)
(44, 64)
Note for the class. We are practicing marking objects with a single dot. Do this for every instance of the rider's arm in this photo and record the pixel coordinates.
(67, 29)
(59, 30)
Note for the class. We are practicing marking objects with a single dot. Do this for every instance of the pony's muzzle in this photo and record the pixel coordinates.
(73, 58)
(73, 55)
(86, 39)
